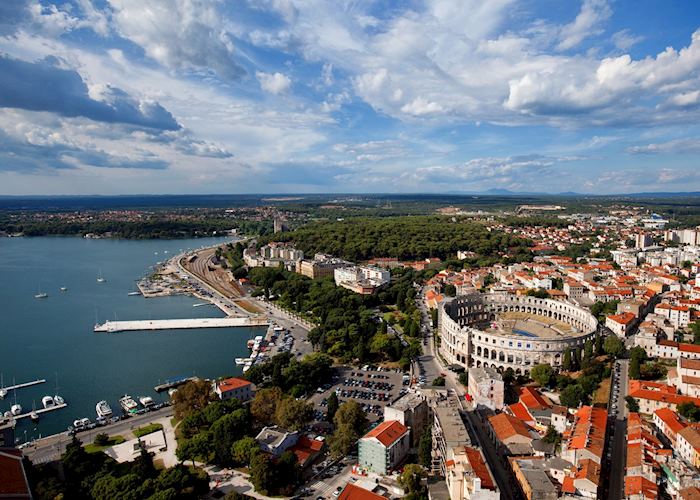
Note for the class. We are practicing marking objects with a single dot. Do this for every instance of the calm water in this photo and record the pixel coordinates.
(42, 338)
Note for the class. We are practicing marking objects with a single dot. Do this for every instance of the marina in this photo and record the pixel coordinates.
(173, 383)
(40, 411)
(25, 384)
(178, 324)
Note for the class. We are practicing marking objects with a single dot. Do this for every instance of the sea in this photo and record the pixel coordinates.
(53, 338)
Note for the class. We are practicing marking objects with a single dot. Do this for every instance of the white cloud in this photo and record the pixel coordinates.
(625, 40)
(687, 145)
(274, 83)
(586, 24)
(179, 34)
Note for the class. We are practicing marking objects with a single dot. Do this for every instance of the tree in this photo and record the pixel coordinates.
(613, 346)
(226, 431)
(199, 446)
(695, 328)
(572, 396)
(588, 350)
(410, 478)
(332, 406)
(508, 376)
(287, 473)
(599, 344)
(144, 464)
(244, 450)
(575, 359)
(434, 317)
(264, 405)
(439, 381)
(261, 473)
(464, 379)
(689, 410)
(101, 439)
(293, 414)
(542, 374)
(552, 437)
(632, 404)
(637, 356)
(350, 422)
(425, 447)
(191, 397)
(566, 362)
(450, 290)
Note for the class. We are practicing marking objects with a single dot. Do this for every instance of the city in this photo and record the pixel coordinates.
(330, 249)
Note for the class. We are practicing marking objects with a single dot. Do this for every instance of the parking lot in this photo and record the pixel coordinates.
(372, 387)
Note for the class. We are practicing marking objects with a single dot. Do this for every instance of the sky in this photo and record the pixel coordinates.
(349, 96)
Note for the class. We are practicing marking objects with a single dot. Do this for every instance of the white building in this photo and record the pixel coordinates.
(486, 387)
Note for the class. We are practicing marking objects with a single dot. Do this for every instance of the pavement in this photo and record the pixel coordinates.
(161, 443)
(618, 438)
(52, 447)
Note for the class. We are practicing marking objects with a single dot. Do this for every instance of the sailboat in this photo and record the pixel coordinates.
(40, 294)
(3, 391)
(100, 279)
(63, 289)
(34, 415)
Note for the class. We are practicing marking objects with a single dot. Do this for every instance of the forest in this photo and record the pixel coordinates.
(411, 237)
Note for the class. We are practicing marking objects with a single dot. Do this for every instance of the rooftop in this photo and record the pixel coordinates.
(388, 432)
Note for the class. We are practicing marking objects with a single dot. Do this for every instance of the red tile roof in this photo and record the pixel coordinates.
(520, 411)
(480, 468)
(352, 492)
(306, 448)
(622, 319)
(689, 348)
(690, 364)
(506, 426)
(568, 485)
(588, 431)
(638, 485)
(532, 398)
(387, 432)
(13, 481)
(233, 383)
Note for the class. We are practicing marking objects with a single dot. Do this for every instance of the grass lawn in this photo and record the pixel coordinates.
(93, 448)
(148, 429)
(602, 394)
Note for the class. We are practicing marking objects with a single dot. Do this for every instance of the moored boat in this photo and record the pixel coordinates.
(128, 404)
(147, 401)
(103, 409)
(48, 402)
(16, 409)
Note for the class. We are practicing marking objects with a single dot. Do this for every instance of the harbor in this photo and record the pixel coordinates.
(40, 411)
(179, 324)
(25, 384)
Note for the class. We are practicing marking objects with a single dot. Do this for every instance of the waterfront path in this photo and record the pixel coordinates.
(52, 447)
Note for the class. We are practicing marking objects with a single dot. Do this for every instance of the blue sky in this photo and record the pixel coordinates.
(272, 96)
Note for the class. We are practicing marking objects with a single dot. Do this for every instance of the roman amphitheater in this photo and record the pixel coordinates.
(508, 331)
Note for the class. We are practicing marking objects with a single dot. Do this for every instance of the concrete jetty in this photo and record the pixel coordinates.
(40, 411)
(179, 324)
(26, 384)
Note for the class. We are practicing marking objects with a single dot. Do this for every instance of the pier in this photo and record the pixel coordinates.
(172, 383)
(40, 411)
(179, 324)
(26, 384)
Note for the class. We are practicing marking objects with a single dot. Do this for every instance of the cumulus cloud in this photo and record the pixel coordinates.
(274, 83)
(47, 85)
(180, 34)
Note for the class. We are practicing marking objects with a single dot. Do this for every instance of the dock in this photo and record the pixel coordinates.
(172, 383)
(40, 411)
(179, 324)
(26, 384)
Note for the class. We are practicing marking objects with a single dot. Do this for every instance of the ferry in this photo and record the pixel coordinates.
(147, 402)
(103, 410)
(128, 404)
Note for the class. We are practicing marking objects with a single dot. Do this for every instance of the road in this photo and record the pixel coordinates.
(52, 447)
(618, 440)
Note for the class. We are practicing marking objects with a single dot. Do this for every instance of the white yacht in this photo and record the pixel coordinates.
(48, 402)
(147, 401)
(41, 295)
(63, 289)
(128, 404)
(58, 400)
(103, 409)
(16, 409)
(34, 415)
(100, 279)
(3, 391)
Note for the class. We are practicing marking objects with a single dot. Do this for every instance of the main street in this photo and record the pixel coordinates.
(52, 447)
(618, 442)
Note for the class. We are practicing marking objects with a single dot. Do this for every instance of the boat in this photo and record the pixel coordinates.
(100, 279)
(16, 409)
(3, 391)
(41, 295)
(63, 289)
(200, 304)
(33, 414)
(132, 294)
(81, 423)
(128, 404)
(103, 410)
(250, 343)
(172, 391)
(59, 400)
(147, 401)
(48, 402)
(247, 366)
(242, 361)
